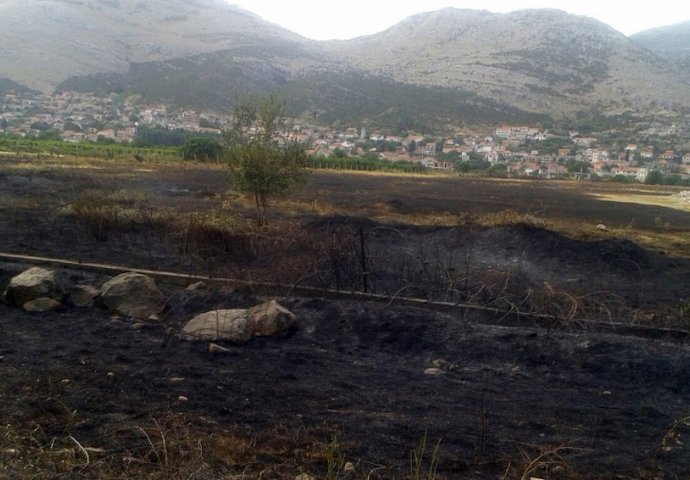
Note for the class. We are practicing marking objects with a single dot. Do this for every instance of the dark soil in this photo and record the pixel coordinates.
(355, 369)
(585, 383)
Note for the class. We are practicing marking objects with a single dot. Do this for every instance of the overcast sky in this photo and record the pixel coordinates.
(342, 19)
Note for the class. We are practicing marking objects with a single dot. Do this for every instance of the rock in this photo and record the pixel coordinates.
(443, 364)
(215, 348)
(134, 295)
(271, 318)
(349, 468)
(43, 304)
(233, 325)
(32, 284)
(602, 227)
(434, 371)
(82, 296)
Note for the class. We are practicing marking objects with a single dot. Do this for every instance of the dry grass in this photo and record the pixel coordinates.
(171, 447)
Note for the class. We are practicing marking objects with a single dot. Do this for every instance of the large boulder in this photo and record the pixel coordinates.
(134, 295)
(32, 284)
(240, 325)
(233, 325)
(271, 318)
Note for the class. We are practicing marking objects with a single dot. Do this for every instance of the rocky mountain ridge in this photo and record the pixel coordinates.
(204, 52)
(671, 42)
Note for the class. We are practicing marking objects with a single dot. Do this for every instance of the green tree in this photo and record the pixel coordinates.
(260, 164)
(199, 148)
(411, 147)
(655, 177)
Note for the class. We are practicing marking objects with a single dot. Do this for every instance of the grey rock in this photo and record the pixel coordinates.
(271, 318)
(82, 296)
(233, 325)
(134, 295)
(32, 284)
(43, 304)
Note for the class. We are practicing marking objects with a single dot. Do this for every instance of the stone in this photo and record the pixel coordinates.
(32, 284)
(82, 296)
(349, 468)
(434, 372)
(443, 364)
(134, 295)
(234, 325)
(271, 318)
(43, 304)
(602, 227)
(215, 348)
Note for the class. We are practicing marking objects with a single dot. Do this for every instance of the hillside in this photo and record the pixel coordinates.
(671, 42)
(47, 41)
(333, 94)
(536, 60)
(449, 66)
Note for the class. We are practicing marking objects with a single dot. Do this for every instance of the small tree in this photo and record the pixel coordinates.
(261, 164)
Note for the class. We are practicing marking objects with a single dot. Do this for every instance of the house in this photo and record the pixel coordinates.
(350, 134)
(430, 162)
(492, 157)
(626, 171)
(563, 152)
(667, 155)
(503, 131)
(531, 168)
(647, 153)
(429, 148)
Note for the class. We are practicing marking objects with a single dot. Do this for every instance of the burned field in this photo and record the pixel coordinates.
(570, 359)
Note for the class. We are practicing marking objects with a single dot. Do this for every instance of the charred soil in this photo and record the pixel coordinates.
(569, 358)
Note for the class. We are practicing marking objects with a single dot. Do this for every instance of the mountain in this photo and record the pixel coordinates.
(445, 67)
(538, 60)
(47, 41)
(671, 42)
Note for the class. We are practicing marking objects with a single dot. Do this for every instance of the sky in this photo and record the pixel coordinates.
(344, 19)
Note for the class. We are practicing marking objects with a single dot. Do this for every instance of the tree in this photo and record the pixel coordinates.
(411, 147)
(261, 164)
(203, 149)
(655, 177)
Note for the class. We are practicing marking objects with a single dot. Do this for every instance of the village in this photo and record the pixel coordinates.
(629, 154)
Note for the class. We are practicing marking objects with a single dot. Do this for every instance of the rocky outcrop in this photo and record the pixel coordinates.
(134, 295)
(32, 284)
